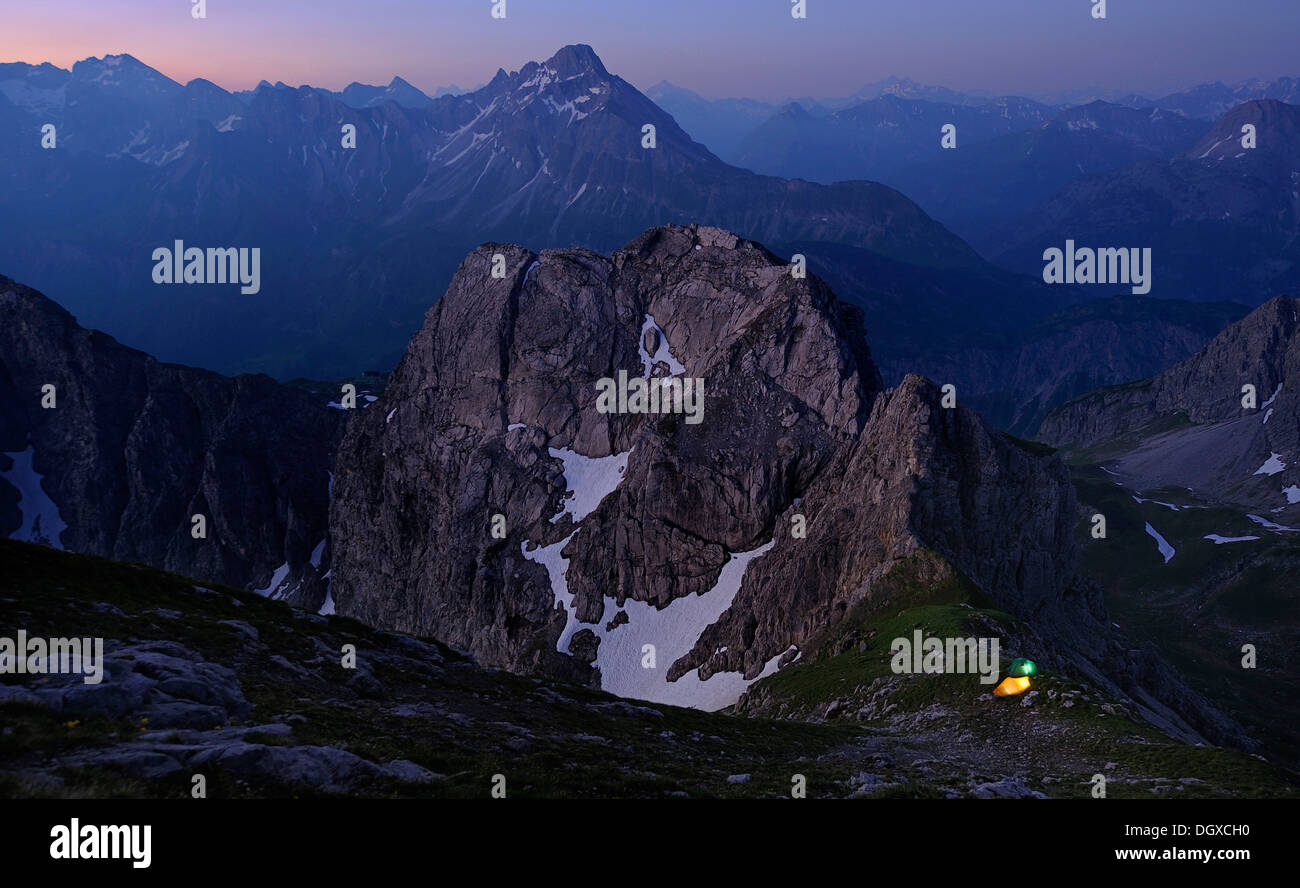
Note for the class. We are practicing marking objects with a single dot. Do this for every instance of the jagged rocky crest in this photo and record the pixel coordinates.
(1257, 350)
(691, 545)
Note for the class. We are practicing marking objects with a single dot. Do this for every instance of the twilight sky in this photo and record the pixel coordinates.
(716, 47)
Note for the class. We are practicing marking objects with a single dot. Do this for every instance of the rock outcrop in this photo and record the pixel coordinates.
(921, 476)
(133, 448)
(727, 543)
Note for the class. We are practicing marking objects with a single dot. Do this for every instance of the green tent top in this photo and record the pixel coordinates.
(1022, 668)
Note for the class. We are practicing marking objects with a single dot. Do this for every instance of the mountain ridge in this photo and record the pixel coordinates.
(355, 237)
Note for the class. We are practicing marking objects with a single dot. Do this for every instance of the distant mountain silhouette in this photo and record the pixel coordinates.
(1223, 221)
(356, 243)
(875, 138)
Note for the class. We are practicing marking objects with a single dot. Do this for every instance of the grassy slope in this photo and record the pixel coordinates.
(1070, 732)
(1207, 601)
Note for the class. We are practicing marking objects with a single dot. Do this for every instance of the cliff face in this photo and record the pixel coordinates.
(134, 448)
(920, 477)
(726, 544)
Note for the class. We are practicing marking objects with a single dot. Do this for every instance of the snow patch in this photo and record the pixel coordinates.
(572, 107)
(663, 354)
(1269, 403)
(1220, 540)
(1215, 145)
(589, 479)
(1161, 543)
(1292, 494)
(673, 631)
(557, 569)
(1139, 500)
(1272, 466)
(1271, 525)
(581, 192)
(173, 154)
(279, 580)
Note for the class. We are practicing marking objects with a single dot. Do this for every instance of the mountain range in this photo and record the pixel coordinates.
(723, 124)
(874, 138)
(620, 436)
(356, 241)
(1224, 218)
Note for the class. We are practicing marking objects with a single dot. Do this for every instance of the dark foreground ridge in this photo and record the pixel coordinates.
(250, 693)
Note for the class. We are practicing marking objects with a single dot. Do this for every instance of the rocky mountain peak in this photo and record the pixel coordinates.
(493, 420)
(576, 59)
(123, 72)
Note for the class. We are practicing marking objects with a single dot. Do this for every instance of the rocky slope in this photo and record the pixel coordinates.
(133, 448)
(1202, 499)
(253, 695)
(671, 527)
(1188, 425)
